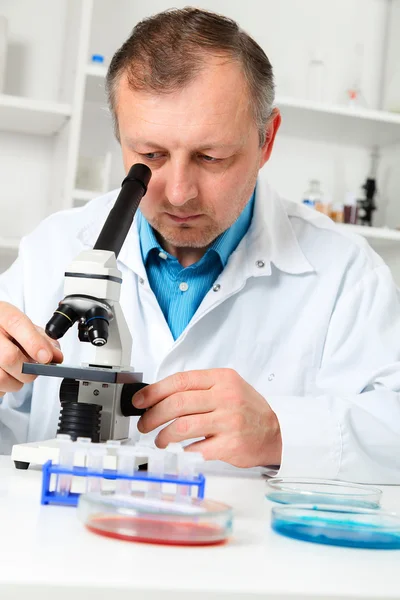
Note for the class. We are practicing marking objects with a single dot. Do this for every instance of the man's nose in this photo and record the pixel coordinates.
(181, 185)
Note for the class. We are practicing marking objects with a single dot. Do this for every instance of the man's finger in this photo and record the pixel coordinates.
(11, 359)
(210, 448)
(8, 382)
(20, 327)
(186, 428)
(179, 382)
(177, 405)
(58, 356)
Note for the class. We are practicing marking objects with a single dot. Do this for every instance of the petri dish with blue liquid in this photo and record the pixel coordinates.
(338, 526)
(288, 490)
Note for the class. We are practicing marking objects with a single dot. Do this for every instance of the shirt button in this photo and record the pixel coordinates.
(162, 255)
(183, 286)
(260, 264)
(216, 287)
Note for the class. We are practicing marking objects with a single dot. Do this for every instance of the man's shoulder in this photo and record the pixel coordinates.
(325, 242)
(67, 228)
(75, 220)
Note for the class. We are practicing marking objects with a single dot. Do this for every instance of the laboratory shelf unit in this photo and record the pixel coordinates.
(338, 124)
(54, 117)
(23, 115)
(374, 233)
(303, 118)
(10, 244)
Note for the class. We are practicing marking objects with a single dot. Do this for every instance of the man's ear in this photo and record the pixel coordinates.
(270, 132)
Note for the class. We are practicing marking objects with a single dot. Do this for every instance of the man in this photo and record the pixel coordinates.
(269, 336)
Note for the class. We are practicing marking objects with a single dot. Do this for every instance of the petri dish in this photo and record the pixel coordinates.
(287, 490)
(338, 526)
(160, 520)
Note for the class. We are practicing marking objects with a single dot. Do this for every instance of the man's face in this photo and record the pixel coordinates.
(202, 146)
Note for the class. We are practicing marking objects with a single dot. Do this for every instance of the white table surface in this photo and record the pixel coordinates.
(46, 553)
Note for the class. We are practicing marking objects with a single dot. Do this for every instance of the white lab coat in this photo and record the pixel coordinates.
(305, 313)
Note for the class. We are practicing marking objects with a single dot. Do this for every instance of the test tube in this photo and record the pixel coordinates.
(141, 453)
(95, 459)
(156, 463)
(65, 459)
(125, 466)
(171, 459)
(111, 450)
(187, 464)
(82, 446)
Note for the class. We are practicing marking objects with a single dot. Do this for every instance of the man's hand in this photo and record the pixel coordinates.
(21, 341)
(239, 425)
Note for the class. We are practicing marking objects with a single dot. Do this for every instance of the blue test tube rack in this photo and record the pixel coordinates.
(71, 499)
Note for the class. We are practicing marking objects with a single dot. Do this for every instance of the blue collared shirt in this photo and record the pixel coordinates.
(180, 291)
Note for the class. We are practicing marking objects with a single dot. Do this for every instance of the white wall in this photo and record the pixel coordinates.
(288, 30)
(33, 67)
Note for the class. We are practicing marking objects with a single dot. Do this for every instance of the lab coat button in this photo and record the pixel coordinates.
(260, 264)
(141, 280)
(216, 287)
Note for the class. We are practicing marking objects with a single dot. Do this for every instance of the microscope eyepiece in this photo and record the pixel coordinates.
(97, 321)
(63, 318)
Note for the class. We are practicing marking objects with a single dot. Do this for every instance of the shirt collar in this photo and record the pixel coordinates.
(223, 245)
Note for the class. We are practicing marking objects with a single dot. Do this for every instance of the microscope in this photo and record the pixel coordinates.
(96, 398)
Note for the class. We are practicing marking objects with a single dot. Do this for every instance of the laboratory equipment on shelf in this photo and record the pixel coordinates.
(313, 196)
(95, 398)
(366, 205)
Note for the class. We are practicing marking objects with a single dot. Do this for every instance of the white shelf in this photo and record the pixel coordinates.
(380, 238)
(302, 118)
(9, 244)
(338, 124)
(375, 233)
(23, 115)
(85, 195)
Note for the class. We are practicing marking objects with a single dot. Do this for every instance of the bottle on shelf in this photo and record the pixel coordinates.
(313, 196)
(354, 96)
(316, 78)
(337, 212)
(97, 59)
(350, 210)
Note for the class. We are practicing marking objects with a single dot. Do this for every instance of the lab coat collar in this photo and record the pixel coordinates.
(270, 238)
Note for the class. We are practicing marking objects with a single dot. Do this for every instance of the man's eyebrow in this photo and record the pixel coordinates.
(207, 146)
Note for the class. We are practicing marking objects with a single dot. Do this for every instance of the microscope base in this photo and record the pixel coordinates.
(38, 453)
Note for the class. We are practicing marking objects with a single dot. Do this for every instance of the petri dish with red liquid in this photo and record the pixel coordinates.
(165, 519)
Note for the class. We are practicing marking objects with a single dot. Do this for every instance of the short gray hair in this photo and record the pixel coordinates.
(165, 52)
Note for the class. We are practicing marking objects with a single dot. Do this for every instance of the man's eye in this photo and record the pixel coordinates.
(210, 159)
(152, 155)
